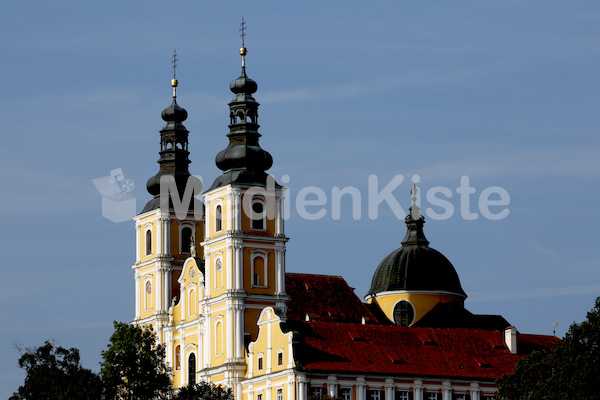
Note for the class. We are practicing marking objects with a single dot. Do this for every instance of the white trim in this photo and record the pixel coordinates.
(404, 292)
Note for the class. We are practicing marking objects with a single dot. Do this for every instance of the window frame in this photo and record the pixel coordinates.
(265, 258)
(254, 220)
(148, 241)
(218, 218)
(410, 310)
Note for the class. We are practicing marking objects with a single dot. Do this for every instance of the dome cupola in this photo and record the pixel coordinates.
(411, 280)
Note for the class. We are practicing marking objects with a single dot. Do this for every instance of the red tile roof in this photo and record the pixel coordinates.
(396, 350)
(323, 298)
(335, 339)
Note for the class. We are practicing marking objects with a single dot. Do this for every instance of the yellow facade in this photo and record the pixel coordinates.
(422, 303)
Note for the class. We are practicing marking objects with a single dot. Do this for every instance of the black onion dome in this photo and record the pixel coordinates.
(174, 113)
(243, 84)
(243, 161)
(416, 267)
(174, 154)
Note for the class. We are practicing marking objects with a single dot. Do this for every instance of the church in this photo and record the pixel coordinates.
(210, 278)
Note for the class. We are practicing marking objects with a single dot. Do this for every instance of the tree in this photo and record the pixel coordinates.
(56, 373)
(133, 366)
(203, 391)
(569, 370)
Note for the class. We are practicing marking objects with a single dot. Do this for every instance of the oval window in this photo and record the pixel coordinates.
(404, 314)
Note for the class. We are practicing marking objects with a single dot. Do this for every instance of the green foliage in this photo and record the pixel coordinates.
(56, 373)
(570, 370)
(203, 391)
(133, 366)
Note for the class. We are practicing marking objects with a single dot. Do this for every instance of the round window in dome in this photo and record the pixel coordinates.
(404, 313)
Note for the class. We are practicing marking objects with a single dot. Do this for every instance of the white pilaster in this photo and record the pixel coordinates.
(418, 390)
(446, 390)
(361, 388)
(475, 393)
(332, 385)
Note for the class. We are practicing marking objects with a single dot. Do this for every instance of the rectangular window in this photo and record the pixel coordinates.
(259, 396)
(488, 397)
(461, 396)
(280, 358)
(346, 393)
(433, 396)
(260, 363)
(279, 394)
(375, 395)
(316, 391)
(402, 395)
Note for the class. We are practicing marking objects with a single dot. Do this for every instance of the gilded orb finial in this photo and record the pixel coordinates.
(174, 82)
(243, 50)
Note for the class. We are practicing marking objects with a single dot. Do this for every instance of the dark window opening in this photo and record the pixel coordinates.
(192, 369)
(186, 240)
(404, 314)
(148, 242)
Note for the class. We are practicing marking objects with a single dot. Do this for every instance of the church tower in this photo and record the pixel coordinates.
(169, 225)
(244, 239)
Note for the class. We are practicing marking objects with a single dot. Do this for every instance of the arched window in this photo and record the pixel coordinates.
(404, 314)
(258, 214)
(192, 369)
(218, 219)
(186, 239)
(218, 274)
(259, 269)
(218, 338)
(148, 294)
(177, 358)
(149, 242)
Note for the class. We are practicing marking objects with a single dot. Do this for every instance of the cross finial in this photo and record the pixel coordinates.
(243, 50)
(175, 59)
(174, 80)
(243, 32)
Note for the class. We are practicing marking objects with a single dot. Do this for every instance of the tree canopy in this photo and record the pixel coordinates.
(56, 373)
(204, 391)
(569, 370)
(133, 366)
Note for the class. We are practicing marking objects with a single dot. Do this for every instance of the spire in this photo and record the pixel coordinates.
(174, 152)
(243, 51)
(174, 82)
(414, 223)
(243, 161)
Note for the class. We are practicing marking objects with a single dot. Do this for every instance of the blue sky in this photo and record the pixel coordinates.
(504, 92)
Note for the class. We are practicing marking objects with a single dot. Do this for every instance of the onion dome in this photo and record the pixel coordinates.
(173, 153)
(243, 161)
(415, 266)
(174, 113)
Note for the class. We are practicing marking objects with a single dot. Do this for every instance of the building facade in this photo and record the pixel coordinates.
(211, 279)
